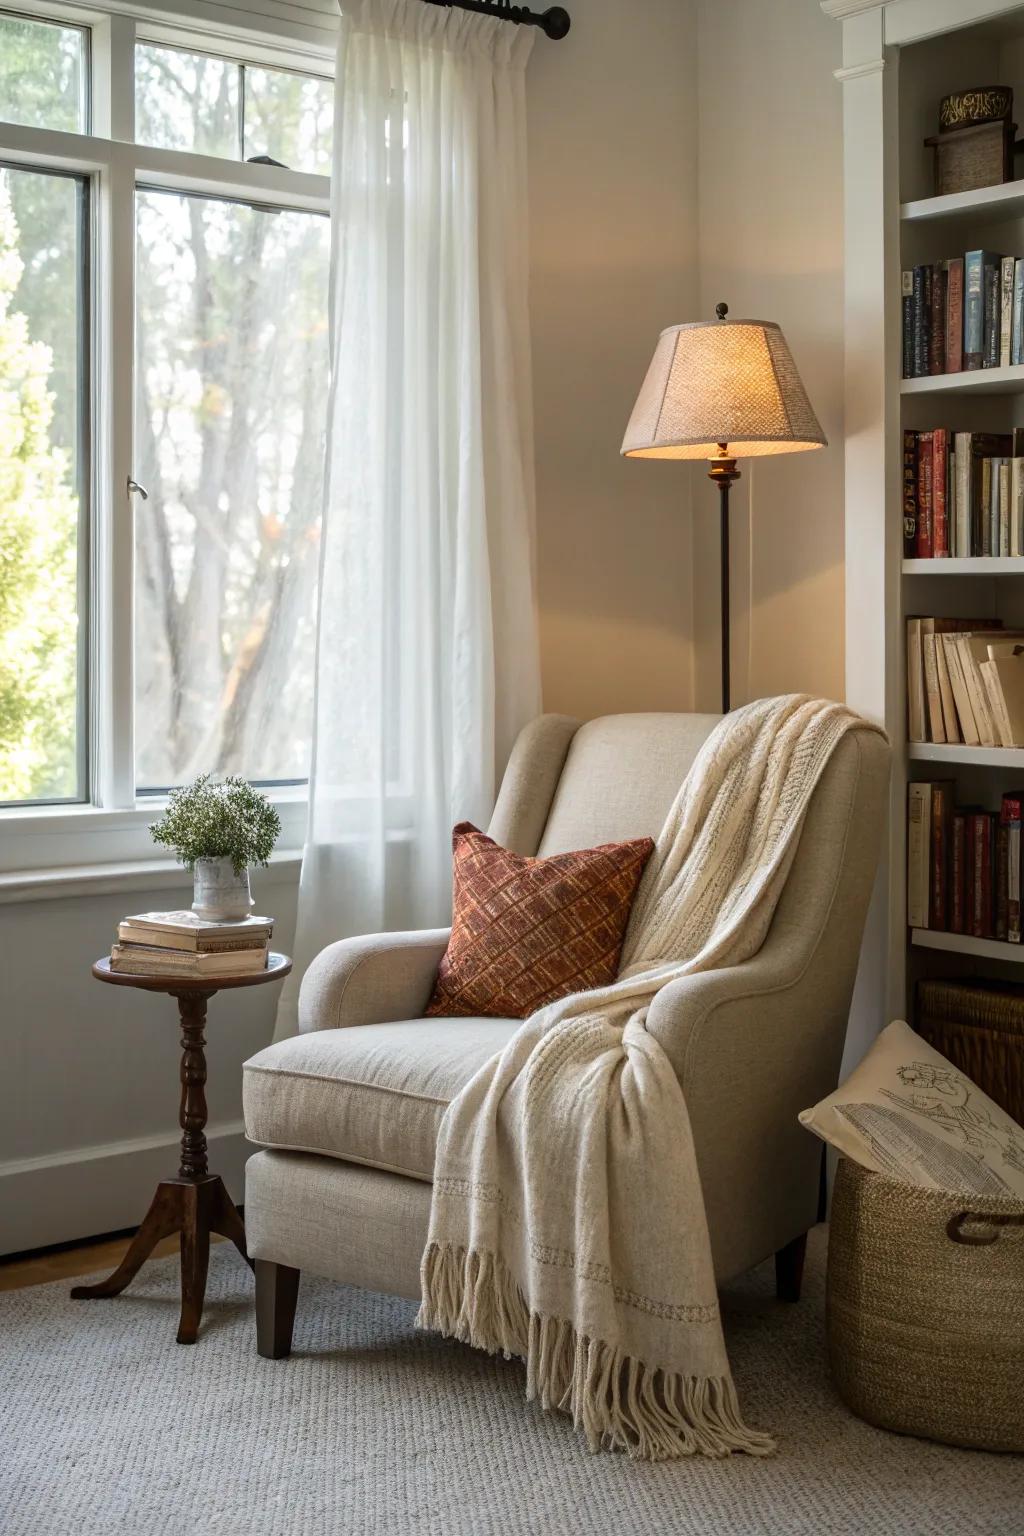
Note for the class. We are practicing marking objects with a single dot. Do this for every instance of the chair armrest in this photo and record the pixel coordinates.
(752, 1046)
(681, 1013)
(375, 979)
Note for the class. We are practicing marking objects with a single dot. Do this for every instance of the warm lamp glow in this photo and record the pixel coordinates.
(721, 382)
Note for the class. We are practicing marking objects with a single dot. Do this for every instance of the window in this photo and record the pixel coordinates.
(230, 418)
(214, 106)
(163, 390)
(43, 74)
(42, 478)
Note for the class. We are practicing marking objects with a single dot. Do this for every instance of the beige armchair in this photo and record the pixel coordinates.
(348, 1111)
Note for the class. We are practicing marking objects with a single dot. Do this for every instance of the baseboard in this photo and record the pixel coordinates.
(65, 1196)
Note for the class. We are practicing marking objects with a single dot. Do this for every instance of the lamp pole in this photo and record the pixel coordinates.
(724, 474)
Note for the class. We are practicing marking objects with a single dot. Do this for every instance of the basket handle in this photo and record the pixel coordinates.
(956, 1224)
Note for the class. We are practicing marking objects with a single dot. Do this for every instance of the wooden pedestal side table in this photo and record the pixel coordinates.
(196, 1203)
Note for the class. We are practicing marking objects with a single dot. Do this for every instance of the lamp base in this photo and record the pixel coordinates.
(724, 474)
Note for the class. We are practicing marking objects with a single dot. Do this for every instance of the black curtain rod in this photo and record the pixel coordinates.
(554, 23)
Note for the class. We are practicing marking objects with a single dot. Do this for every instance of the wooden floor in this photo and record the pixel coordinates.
(87, 1259)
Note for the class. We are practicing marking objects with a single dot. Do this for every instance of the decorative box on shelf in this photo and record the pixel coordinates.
(969, 158)
(975, 144)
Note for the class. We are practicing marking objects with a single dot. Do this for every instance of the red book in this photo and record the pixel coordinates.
(938, 882)
(940, 476)
(1002, 902)
(955, 315)
(980, 904)
(957, 871)
(1010, 817)
(924, 495)
(937, 343)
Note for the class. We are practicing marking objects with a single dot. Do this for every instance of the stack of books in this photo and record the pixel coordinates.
(964, 313)
(963, 494)
(963, 864)
(965, 682)
(180, 943)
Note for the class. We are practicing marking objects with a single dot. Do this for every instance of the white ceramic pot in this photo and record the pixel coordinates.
(218, 893)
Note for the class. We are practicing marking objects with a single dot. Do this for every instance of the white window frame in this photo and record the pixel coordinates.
(45, 850)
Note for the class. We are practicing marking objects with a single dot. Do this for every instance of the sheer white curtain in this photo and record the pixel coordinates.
(427, 660)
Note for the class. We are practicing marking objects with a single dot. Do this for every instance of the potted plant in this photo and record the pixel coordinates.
(218, 828)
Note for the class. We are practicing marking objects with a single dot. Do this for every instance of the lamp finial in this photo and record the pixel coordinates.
(721, 310)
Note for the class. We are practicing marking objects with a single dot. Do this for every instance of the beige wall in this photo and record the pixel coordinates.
(612, 125)
(683, 153)
(770, 240)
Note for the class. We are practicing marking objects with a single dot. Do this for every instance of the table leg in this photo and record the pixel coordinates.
(162, 1220)
(198, 1210)
(194, 1204)
(192, 1115)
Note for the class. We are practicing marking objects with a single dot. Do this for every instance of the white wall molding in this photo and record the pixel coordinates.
(87, 1190)
(853, 71)
(840, 9)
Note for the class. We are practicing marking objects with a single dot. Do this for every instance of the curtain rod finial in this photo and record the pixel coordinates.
(556, 23)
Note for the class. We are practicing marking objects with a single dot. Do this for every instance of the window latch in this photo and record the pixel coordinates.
(134, 487)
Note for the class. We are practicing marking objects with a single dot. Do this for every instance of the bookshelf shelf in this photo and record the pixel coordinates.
(1006, 201)
(963, 944)
(1006, 565)
(981, 381)
(966, 757)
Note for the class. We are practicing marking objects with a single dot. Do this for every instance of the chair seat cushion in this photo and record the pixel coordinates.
(371, 1094)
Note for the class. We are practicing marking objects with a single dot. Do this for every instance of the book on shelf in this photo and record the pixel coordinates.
(1003, 675)
(963, 863)
(154, 943)
(963, 494)
(939, 701)
(1005, 310)
(963, 313)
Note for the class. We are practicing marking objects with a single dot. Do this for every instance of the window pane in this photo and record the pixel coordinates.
(231, 406)
(42, 415)
(42, 74)
(186, 101)
(289, 117)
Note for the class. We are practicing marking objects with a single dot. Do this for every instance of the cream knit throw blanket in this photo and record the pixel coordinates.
(567, 1225)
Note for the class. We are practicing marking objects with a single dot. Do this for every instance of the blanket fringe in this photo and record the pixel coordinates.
(616, 1400)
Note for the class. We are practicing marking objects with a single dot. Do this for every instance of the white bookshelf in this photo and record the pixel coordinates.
(900, 57)
(966, 757)
(963, 944)
(986, 203)
(1005, 565)
(980, 381)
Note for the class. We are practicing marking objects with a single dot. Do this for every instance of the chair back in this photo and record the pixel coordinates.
(570, 786)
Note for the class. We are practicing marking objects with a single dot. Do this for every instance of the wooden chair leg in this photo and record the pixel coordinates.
(789, 1269)
(277, 1291)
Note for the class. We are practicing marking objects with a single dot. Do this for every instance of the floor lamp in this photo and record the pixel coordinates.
(721, 390)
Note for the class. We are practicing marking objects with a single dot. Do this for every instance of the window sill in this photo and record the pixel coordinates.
(60, 841)
(108, 879)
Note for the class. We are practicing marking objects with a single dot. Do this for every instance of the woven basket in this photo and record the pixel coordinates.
(980, 1029)
(925, 1310)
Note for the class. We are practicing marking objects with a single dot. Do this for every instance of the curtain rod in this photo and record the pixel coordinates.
(554, 23)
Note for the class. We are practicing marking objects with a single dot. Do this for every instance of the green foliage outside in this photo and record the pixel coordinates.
(38, 527)
(225, 820)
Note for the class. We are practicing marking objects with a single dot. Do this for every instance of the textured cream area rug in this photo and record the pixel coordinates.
(375, 1429)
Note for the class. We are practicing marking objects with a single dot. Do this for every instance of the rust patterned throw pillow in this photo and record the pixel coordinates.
(526, 931)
